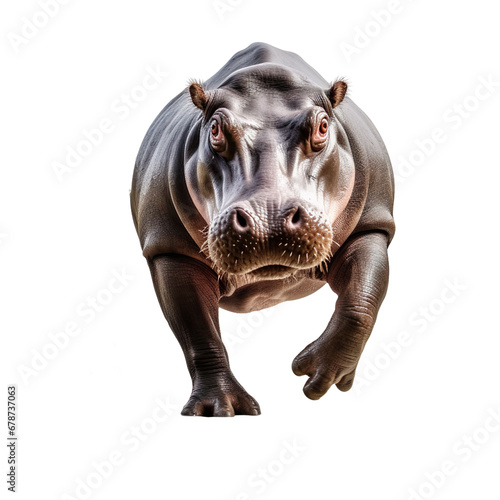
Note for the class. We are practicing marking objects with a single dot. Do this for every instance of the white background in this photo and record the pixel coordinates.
(61, 240)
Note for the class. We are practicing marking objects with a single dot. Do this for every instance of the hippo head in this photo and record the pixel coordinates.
(268, 177)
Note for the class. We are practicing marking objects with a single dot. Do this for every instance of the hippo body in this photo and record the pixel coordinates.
(259, 186)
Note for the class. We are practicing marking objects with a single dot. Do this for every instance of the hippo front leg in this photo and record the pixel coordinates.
(188, 292)
(359, 274)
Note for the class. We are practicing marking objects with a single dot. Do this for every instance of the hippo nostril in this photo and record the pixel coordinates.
(241, 220)
(296, 216)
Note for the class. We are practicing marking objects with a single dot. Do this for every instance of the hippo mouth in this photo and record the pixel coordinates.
(273, 271)
(255, 266)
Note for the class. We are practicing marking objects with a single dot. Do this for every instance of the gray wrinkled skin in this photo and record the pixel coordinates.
(242, 200)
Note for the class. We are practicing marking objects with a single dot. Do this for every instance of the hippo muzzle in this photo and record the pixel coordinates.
(271, 242)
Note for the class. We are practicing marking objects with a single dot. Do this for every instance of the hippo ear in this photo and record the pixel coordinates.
(198, 95)
(337, 92)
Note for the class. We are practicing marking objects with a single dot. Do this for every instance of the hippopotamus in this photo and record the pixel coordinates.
(261, 185)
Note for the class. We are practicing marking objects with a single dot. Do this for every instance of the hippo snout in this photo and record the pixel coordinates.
(272, 241)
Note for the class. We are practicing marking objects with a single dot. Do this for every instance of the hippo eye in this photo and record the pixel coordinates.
(320, 134)
(215, 128)
(323, 126)
(217, 138)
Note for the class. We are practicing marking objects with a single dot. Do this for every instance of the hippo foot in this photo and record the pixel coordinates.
(323, 370)
(221, 398)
